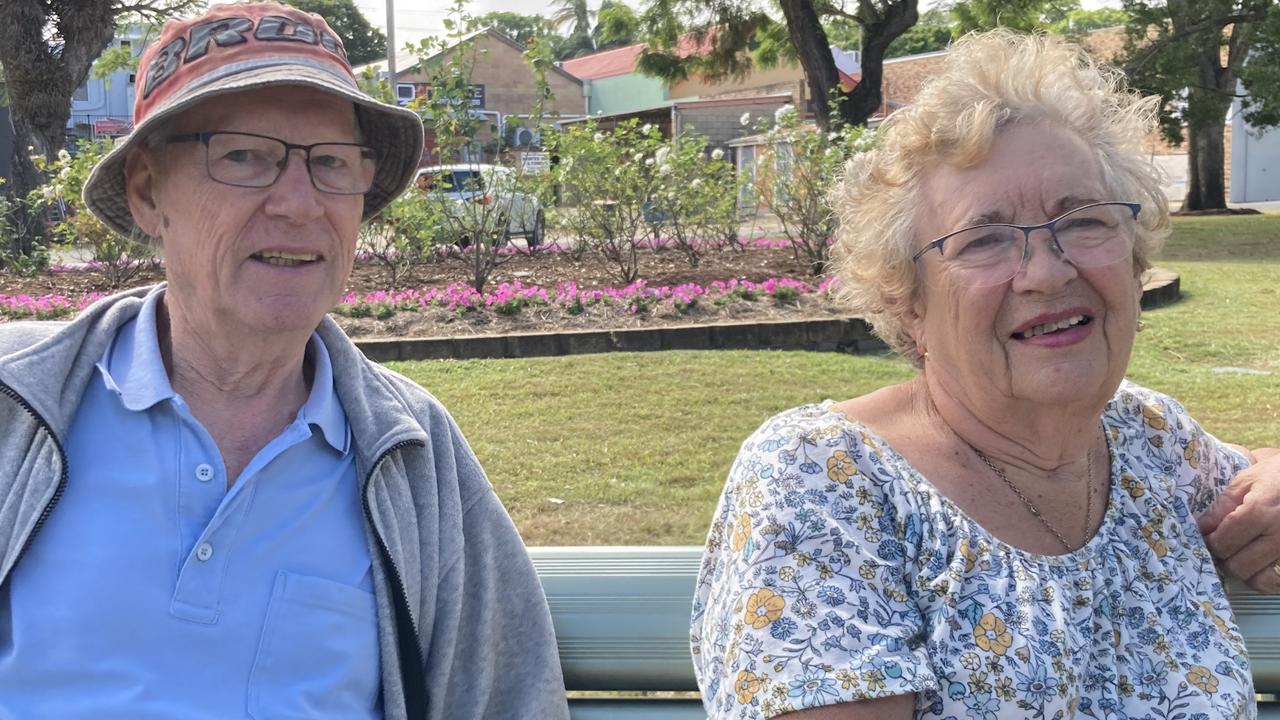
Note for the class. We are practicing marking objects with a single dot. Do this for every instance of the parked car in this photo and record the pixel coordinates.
(489, 194)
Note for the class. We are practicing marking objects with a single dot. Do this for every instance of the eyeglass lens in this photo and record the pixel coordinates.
(1090, 236)
(255, 161)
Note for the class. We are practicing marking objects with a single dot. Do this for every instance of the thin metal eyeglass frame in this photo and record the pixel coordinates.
(203, 138)
(1134, 208)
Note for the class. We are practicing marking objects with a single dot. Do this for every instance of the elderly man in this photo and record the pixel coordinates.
(211, 504)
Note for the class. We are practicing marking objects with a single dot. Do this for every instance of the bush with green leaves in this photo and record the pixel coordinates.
(608, 183)
(473, 217)
(793, 175)
(695, 202)
(121, 257)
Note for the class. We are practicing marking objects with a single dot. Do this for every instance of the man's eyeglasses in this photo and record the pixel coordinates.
(248, 160)
(1089, 236)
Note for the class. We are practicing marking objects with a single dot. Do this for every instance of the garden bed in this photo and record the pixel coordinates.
(529, 292)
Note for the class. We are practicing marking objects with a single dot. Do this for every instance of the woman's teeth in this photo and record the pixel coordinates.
(1050, 327)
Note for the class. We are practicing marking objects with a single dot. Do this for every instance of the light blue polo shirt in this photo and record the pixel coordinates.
(153, 591)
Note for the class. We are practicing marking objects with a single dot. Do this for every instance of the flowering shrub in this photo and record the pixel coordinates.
(794, 175)
(696, 198)
(44, 307)
(121, 257)
(608, 182)
(637, 297)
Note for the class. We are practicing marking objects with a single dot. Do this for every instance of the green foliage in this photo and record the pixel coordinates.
(122, 257)
(608, 182)
(1078, 22)
(1170, 46)
(978, 15)
(793, 175)
(1261, 75)
(695, 201)
(403, 236)
(930, 34)
(364, 42)
(479, 225)
(15, 212)
(521, 28)
(617, 25)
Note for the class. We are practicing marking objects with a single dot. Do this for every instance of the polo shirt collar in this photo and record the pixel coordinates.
(133, 369)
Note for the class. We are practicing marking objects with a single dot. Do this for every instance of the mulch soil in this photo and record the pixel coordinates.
(546, 269)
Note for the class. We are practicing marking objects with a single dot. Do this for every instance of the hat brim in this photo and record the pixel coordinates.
(394, 133)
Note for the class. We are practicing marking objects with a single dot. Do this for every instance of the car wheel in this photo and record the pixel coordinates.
(539, 233)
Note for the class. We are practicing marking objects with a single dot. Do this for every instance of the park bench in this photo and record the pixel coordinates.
(622, 623)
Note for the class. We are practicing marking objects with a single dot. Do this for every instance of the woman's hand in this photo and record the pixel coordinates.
(1242, 528)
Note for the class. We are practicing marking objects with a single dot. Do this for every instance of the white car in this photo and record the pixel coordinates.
(489, 193)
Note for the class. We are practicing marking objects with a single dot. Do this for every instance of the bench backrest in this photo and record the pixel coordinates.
(621, 616)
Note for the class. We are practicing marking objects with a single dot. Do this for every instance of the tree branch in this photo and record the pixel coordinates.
(1181, 33)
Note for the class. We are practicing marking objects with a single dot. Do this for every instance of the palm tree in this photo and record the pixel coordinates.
(573, 12)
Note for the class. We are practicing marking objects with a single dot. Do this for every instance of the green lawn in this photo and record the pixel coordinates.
(633, 448)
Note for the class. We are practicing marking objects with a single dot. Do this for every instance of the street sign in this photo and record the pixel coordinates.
(535, 163)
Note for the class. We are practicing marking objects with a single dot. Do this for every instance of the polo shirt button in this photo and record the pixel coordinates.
(204, 552)
(204, 472)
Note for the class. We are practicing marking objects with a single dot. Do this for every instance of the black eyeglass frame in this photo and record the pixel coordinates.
(1134, 208)
(204, 137)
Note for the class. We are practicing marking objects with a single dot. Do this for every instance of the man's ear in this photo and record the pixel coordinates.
(140, 181)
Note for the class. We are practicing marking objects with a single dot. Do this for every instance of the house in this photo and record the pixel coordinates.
(502, 89)
(103, 107)
(612, 85)
(618, 92)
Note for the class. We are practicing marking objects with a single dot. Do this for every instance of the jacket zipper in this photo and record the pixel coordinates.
(415, 695)
(62, 480)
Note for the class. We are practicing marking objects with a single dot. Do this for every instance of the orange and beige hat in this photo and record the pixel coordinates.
(238, 47)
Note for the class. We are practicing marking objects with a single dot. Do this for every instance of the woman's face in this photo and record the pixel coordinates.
(987, 343)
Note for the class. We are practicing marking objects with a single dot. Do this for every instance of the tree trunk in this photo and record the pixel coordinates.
(1208, 101)
(41, 77)
(879, 29)
(1206, 187)
(810, 40)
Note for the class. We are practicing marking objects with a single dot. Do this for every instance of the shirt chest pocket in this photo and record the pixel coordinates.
(318, 655)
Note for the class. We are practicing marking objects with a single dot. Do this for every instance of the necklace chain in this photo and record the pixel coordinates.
(1088, 503)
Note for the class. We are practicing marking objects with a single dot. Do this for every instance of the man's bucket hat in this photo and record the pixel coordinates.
(238, 47)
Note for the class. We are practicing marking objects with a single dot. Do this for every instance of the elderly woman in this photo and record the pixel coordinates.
(1013, 532)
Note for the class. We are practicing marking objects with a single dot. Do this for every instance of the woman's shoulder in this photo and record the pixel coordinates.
(1138, 405)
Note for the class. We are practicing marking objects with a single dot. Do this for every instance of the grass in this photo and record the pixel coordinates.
(633, 448)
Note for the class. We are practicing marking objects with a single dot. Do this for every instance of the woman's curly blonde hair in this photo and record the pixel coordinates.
(989, 81)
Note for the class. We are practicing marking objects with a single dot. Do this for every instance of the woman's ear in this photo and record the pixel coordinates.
(913, 322)
(140, 182)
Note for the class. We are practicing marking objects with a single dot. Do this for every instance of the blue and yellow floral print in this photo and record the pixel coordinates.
(835, 572)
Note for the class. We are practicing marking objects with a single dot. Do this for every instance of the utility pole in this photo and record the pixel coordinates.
(391, 44)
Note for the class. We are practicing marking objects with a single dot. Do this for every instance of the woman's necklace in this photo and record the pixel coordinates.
(1088, 503)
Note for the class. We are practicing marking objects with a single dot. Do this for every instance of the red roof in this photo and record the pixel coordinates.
(621, 61)
(609, 63)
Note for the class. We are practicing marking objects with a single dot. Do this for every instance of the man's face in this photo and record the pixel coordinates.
(250, 261)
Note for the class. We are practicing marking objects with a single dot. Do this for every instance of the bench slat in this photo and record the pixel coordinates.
(621, 616)
(626, 709)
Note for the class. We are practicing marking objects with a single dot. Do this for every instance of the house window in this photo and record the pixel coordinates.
(82, 93)
(404, 92)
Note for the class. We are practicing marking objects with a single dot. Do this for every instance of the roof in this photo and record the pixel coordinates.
(610, 63)
(622, 61)
(408, 62)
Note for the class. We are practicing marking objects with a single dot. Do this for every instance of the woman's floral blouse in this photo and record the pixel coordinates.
(834, 572)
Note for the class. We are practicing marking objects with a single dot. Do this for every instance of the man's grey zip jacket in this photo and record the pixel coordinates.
(463, 625)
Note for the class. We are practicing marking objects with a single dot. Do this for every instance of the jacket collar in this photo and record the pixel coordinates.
(53, 367)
